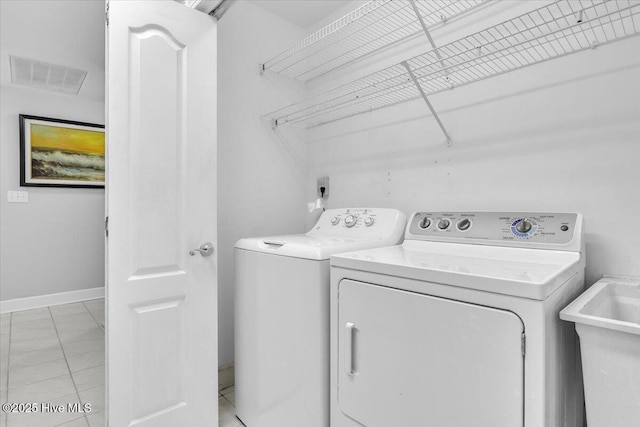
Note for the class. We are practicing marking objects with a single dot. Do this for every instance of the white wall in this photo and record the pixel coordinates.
(261, 173)
(55, 242)
(558, 136)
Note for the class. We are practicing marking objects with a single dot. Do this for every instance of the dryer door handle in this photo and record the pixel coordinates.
(348, 350)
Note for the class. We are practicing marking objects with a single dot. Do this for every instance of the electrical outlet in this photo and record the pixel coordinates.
(17, 196)
(322, 182)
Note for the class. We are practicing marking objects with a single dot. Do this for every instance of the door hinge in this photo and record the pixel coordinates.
(106, 226)
(106, 14)
(523, 344)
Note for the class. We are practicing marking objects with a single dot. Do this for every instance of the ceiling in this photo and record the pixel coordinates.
(62, 32)
(303, 13)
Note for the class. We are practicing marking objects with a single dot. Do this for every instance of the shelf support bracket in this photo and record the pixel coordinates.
(428, 34)
(426, 100)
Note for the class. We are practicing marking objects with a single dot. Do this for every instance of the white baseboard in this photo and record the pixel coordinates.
(226, 376)
(20, 304)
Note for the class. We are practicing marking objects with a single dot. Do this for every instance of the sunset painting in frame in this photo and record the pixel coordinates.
(61, 153)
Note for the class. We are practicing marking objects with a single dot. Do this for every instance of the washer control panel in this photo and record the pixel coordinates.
(350, 218)
(356, 223)
(553, 228)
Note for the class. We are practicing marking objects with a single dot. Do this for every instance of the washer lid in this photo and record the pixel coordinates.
(309, 247)
(337, 230)
(527, 273)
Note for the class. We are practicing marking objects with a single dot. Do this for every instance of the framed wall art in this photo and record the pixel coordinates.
(61, 153)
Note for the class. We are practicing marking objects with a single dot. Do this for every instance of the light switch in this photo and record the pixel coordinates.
(18, 196)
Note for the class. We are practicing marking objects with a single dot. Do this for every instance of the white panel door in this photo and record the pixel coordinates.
(161, 202)
(408, 360)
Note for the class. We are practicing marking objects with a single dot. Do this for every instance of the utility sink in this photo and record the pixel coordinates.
(607, 318)
(610, 303)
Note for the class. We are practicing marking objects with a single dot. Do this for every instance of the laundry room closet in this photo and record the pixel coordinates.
(439, 180)
(558, 133)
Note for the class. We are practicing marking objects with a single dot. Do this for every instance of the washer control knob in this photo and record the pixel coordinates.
(443, 224)
(368, 221)
(523, 226)
(350, 220)
(424, 223)
(335, 220)
(464, 224)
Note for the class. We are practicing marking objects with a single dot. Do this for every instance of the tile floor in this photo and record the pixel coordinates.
(56, 354)
(227, 408)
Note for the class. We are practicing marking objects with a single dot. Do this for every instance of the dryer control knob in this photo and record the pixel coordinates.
(523, 226)
(335, 220)
(350, 220)
(424, 223)
(443, 224)
(464, 224)
(368, 221)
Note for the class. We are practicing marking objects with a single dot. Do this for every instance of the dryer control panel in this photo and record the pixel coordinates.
(527, 229)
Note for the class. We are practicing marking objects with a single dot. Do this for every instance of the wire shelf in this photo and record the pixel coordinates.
(558, 29)
(373, 26)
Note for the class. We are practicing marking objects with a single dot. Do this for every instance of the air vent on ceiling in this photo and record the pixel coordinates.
(42, 75)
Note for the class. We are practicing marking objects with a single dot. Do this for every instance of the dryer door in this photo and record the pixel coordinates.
(407, 359)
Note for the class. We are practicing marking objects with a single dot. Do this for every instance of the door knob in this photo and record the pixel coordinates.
(205, 249)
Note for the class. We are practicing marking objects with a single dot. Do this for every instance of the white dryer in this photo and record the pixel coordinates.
(282, 315)
(459, 326)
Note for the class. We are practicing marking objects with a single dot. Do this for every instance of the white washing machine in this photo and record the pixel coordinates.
(459, 326)
(282, 315)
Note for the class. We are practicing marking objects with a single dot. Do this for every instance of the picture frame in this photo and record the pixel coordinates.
(61, 153)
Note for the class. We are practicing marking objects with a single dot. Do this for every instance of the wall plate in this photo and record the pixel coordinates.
(323, 181)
